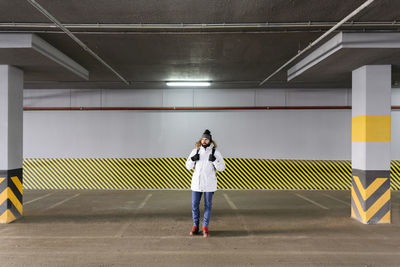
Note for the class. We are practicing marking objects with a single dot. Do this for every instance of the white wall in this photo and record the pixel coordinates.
(288, 134)
(395, 124)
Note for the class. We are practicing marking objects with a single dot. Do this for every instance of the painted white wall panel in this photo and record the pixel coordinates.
(47, 98)
(308, 97)
(85, 98)
(395, 136)
(270, 97)
(290, 134)
(248, 134)
(396, 96)
(224, 97)
(177, 98)
(132, 98)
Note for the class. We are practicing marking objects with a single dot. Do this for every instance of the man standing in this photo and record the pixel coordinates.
(205, 160)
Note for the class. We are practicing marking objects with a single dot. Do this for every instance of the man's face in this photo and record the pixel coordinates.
(205, 141)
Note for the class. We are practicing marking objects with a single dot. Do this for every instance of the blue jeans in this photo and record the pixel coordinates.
(196, 197)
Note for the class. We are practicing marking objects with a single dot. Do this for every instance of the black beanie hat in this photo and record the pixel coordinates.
(207, 134)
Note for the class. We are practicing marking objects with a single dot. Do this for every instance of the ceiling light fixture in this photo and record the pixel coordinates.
(188, 84)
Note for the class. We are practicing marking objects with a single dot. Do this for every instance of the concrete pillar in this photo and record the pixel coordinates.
(371, 107)
(11, 112)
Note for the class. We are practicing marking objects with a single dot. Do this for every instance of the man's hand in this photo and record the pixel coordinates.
(212, 158)
(195, 157)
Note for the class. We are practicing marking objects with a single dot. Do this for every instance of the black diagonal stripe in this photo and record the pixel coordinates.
(7, 204)
(13, 209)
(395, 174)
(366, 204)
(258, 173)
(277, 174)
(177, 164)
(3, 184)
(380, 213)
(359, 196)
(169, 169)
(355, 209)
(159, 174)
(367, 177)
(272, 181)
(251, 173)
(4, 206)
(16, 172)
(395, 185)
(377, 194)
(15, 190)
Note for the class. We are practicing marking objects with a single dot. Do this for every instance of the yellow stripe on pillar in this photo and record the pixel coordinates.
(386, 218)
(17, 183)
(371, 128)
(366, 193)
(7, 217)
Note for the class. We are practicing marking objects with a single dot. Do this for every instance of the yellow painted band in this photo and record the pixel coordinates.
(7, 217)
(371, 128)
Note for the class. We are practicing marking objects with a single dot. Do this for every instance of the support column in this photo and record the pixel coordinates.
(11, 117)
(371, 108)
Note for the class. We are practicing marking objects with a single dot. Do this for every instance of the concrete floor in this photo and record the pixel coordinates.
(147, 228)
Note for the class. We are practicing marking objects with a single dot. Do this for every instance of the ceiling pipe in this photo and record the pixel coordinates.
(191, 108)
(190, 32)
(76, 39)
(186, 108)
(340, 23)
(200, 26)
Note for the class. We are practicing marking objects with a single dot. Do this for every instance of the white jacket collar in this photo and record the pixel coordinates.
(206, 149)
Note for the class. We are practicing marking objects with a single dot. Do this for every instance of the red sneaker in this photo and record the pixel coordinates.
(195, 230)
(205, 232)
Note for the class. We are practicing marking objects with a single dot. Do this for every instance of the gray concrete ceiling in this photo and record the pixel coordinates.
(231, 57)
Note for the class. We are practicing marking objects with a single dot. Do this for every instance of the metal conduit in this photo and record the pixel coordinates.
(180, 26)
(191, 108)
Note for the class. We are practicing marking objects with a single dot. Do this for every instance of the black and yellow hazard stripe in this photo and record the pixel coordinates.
(170, 173)
(370, 201)
(370, 191)
(395, 174)
(10, 195)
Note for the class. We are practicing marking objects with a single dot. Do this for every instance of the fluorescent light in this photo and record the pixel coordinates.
(188, 84)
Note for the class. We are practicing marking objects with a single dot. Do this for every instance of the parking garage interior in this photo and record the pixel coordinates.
(101, 103)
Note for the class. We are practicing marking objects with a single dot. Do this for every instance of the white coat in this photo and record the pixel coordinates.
(204, 177)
